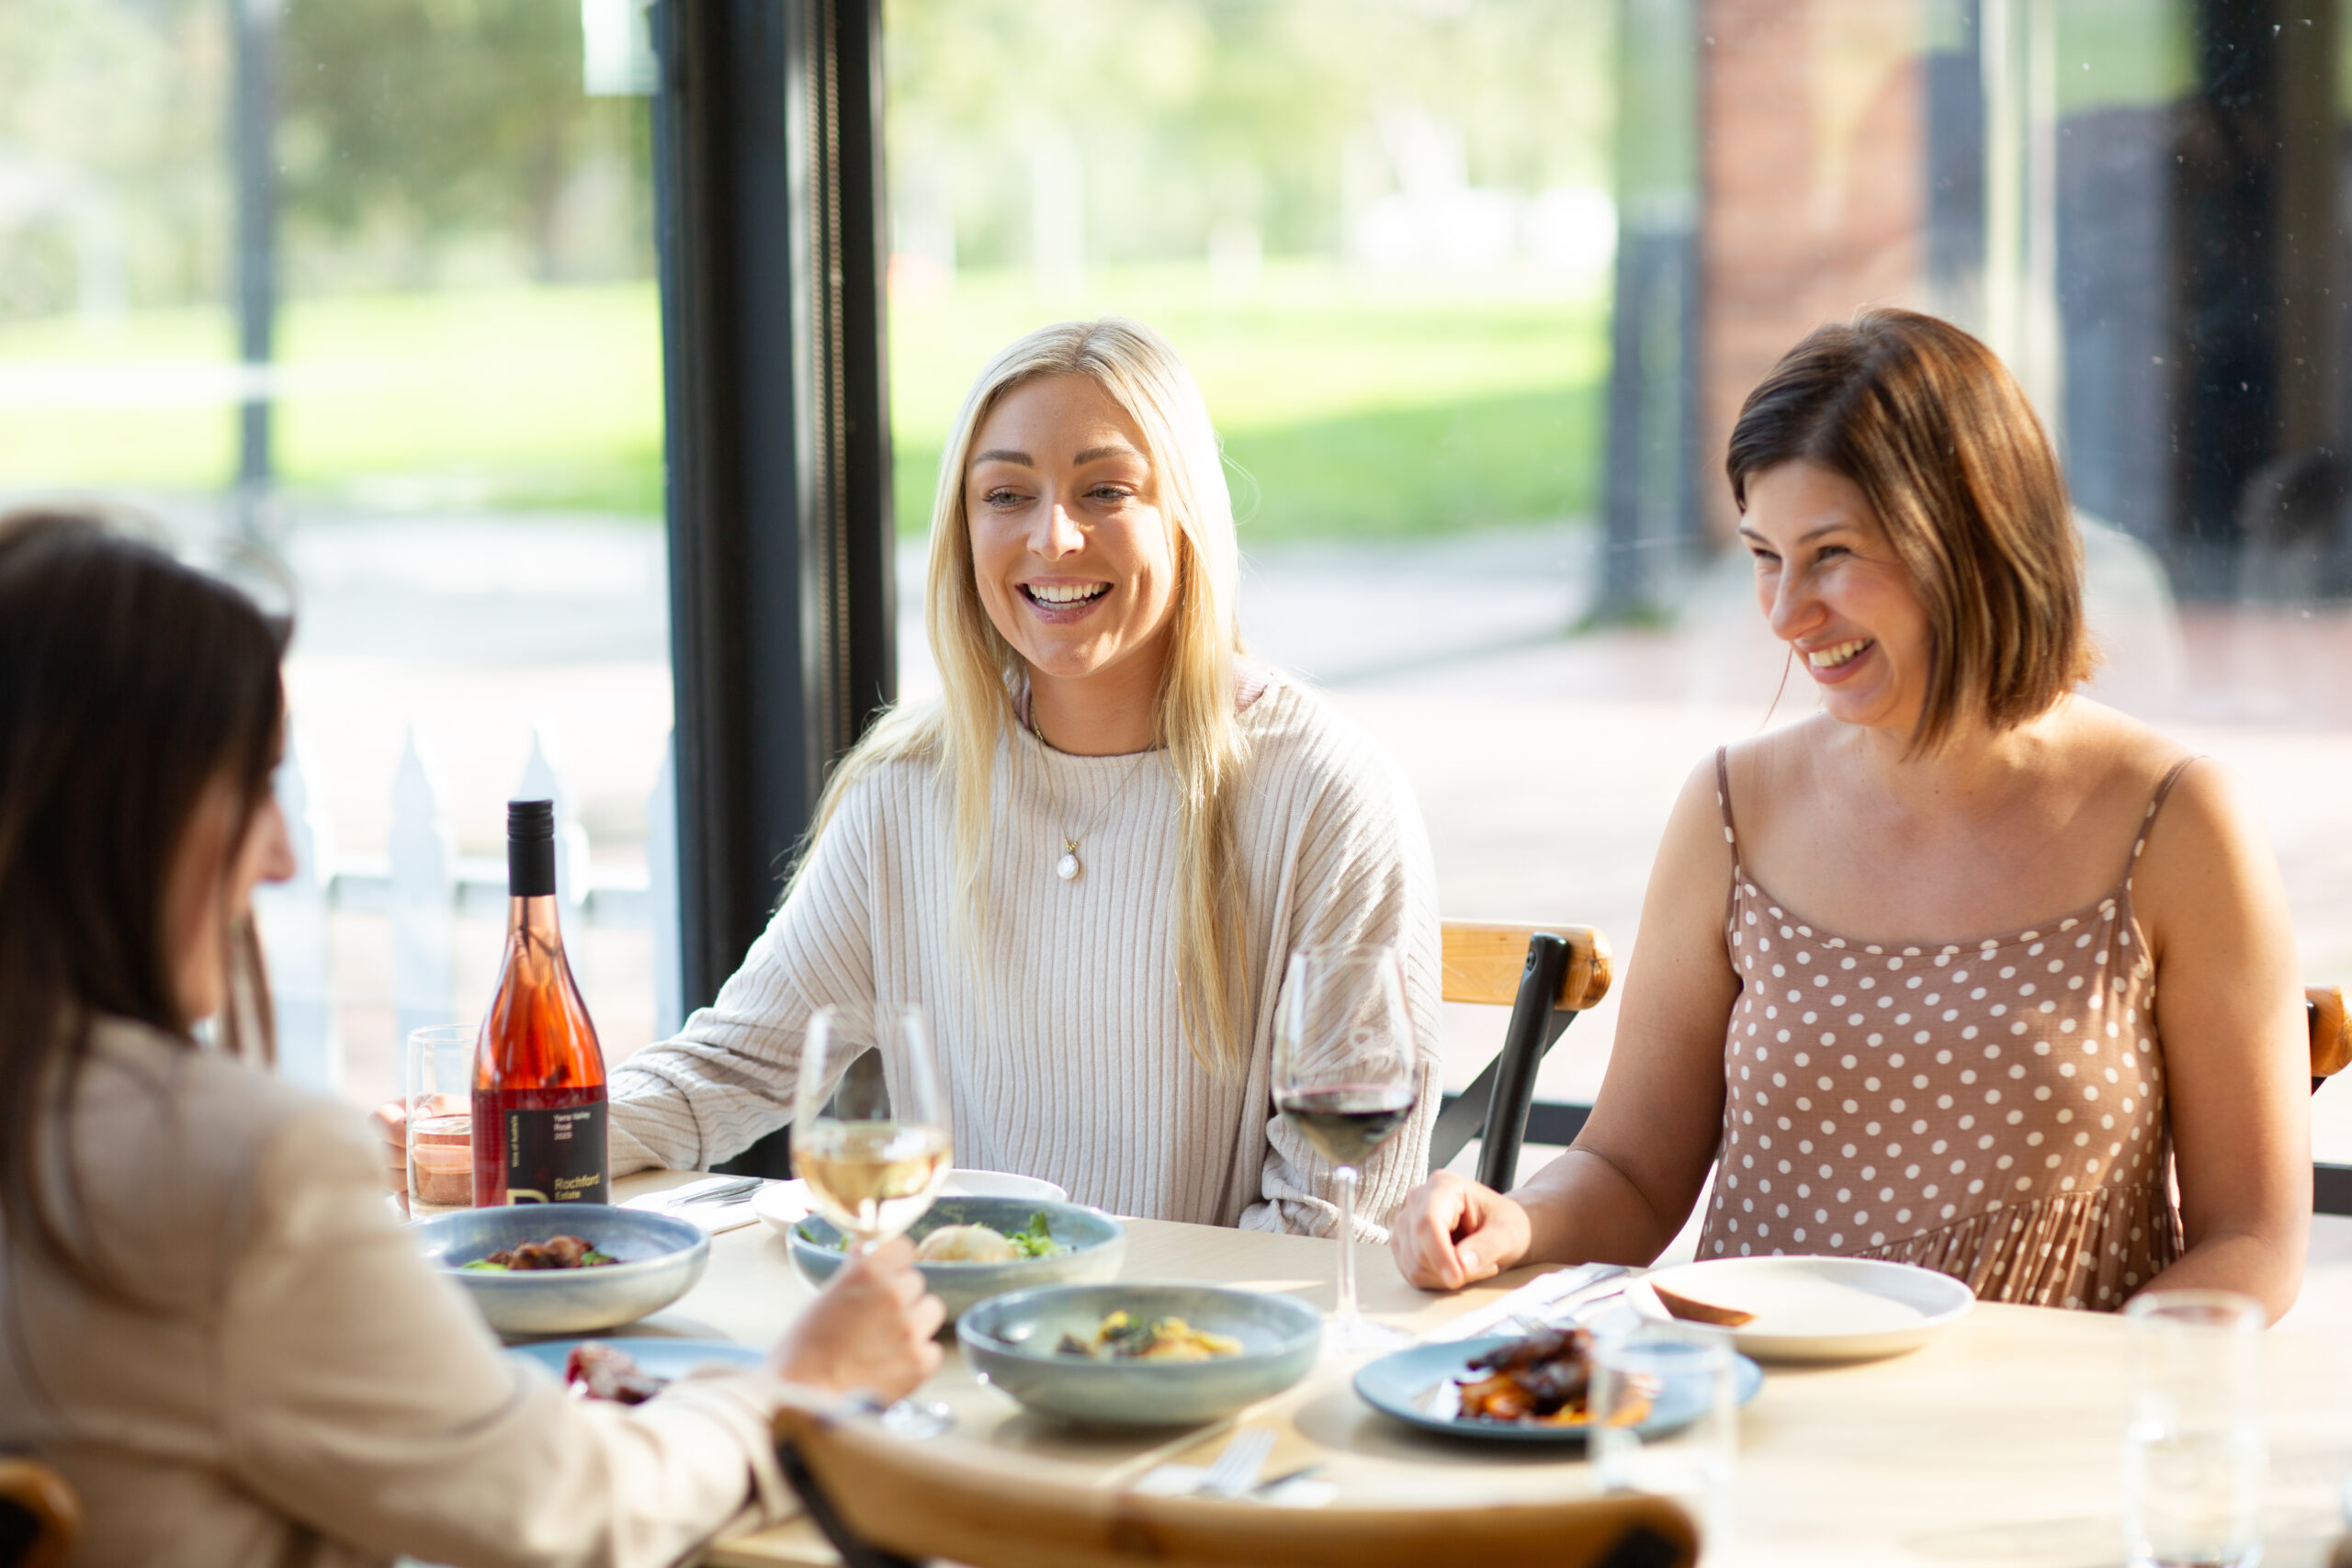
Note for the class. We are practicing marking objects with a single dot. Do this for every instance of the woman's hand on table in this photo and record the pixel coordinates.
(870, 1328)
(1453, 1231)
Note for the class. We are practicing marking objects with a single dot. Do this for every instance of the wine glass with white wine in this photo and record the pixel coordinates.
(1346, 1076)
(870, 1140)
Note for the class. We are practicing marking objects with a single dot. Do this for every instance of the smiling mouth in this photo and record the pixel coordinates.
(1061, 594)
(1835, 654)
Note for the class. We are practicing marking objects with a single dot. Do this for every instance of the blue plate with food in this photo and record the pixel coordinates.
(1514, 1388)
(970, 1250)
(632, 1370)
(565, 1268)
(1140, 1352)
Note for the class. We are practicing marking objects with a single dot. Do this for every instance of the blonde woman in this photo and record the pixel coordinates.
(1091, 857)
(1965, 971)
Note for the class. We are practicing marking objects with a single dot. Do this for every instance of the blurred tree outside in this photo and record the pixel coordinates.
(470, 313)
(112, 188)
(1296, 192)
(448, 142)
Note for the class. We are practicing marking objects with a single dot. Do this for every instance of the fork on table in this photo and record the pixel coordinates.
(720, 1192)
(1237, 1467)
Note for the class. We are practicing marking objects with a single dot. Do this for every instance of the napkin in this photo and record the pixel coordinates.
(710, 1218)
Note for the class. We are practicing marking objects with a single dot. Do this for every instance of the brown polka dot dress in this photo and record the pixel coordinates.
(1993, 1110)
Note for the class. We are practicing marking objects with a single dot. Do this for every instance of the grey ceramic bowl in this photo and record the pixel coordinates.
(1097, 1245)
(1009, 1342)
(660, 1258)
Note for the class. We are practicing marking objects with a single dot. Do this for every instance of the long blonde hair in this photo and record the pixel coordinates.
(1200, 736)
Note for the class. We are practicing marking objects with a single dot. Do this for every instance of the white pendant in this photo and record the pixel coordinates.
(1066, 867)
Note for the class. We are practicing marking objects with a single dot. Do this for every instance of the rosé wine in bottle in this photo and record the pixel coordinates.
(538, 1099)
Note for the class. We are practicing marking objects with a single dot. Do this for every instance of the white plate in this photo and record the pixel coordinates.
(1816, 1309)
(784, 1204)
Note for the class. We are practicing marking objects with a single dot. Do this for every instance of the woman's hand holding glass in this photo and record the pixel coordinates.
(870, 1329)
(870, 1139)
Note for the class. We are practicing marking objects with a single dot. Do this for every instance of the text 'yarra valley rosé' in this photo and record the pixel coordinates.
(539, 1072)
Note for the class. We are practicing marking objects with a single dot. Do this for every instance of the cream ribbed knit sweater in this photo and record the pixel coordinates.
(1065, 1062)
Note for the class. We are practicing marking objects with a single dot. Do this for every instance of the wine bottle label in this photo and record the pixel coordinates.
(556, 1157)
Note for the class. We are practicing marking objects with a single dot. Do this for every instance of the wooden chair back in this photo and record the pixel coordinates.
(40, 1516)
(1545, 975)
(910, 1502)
(2331, 1032)
(1484, 960)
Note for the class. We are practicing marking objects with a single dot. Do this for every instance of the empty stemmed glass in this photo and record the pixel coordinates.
(1346, 1074)
(870, 1140)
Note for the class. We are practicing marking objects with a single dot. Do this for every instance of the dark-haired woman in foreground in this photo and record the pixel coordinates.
(1958, 970)
(208, 1321)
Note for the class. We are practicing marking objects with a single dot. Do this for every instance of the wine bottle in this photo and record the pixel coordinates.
(538, 1073)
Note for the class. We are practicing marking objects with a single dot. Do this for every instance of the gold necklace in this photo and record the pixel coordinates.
(1070, 866)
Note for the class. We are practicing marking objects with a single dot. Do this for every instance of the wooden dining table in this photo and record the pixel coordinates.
(1999, 1442)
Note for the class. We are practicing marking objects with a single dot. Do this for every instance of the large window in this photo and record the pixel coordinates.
(367, 285)
(1474, 290)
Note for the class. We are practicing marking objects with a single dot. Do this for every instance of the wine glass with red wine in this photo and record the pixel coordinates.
(870, 1140)
(1346, 1076)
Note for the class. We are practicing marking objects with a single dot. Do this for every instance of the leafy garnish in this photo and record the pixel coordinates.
(1036, 1239)
(590, 1258)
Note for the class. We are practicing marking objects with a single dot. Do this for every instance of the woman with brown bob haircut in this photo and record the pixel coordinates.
(1900, 962)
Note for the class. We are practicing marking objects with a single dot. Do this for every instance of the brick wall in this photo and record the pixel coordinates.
(1814, 170)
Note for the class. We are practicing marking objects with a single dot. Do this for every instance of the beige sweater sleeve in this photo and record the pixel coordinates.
(359, 1393)
(727, 1078)
(1365, 874)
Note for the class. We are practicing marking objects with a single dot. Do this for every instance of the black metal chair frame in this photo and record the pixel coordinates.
(1495, 1106)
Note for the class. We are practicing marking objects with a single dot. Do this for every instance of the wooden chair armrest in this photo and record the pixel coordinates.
(938, 1501)
(40, 1495)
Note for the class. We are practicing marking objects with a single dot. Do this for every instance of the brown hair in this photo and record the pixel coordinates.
(130, 684)
(1940, 440)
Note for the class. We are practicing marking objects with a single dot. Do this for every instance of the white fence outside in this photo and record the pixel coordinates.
(422, 884)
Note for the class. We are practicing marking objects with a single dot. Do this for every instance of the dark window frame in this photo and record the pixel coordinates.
(767, 153)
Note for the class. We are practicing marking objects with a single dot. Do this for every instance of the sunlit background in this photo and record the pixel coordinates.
(1472, 287)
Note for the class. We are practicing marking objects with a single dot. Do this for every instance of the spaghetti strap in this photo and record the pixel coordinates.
(1723, 798)
(2155, 804)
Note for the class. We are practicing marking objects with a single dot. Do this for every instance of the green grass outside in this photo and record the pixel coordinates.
(1346, 410)
(529, 398)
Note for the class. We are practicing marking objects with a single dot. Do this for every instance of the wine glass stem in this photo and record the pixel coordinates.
(1346, 1316)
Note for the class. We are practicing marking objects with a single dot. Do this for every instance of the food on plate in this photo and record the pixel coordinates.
(967, 1243)
(986, 1244)
(1543, 1380)
(556, 1252)
(595, 1371)
(1123, 1337)
(1691, 1311)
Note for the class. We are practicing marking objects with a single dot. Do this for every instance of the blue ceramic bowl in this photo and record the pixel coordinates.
(660, 1258)
(1009, 1342)
(1095, 1246)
